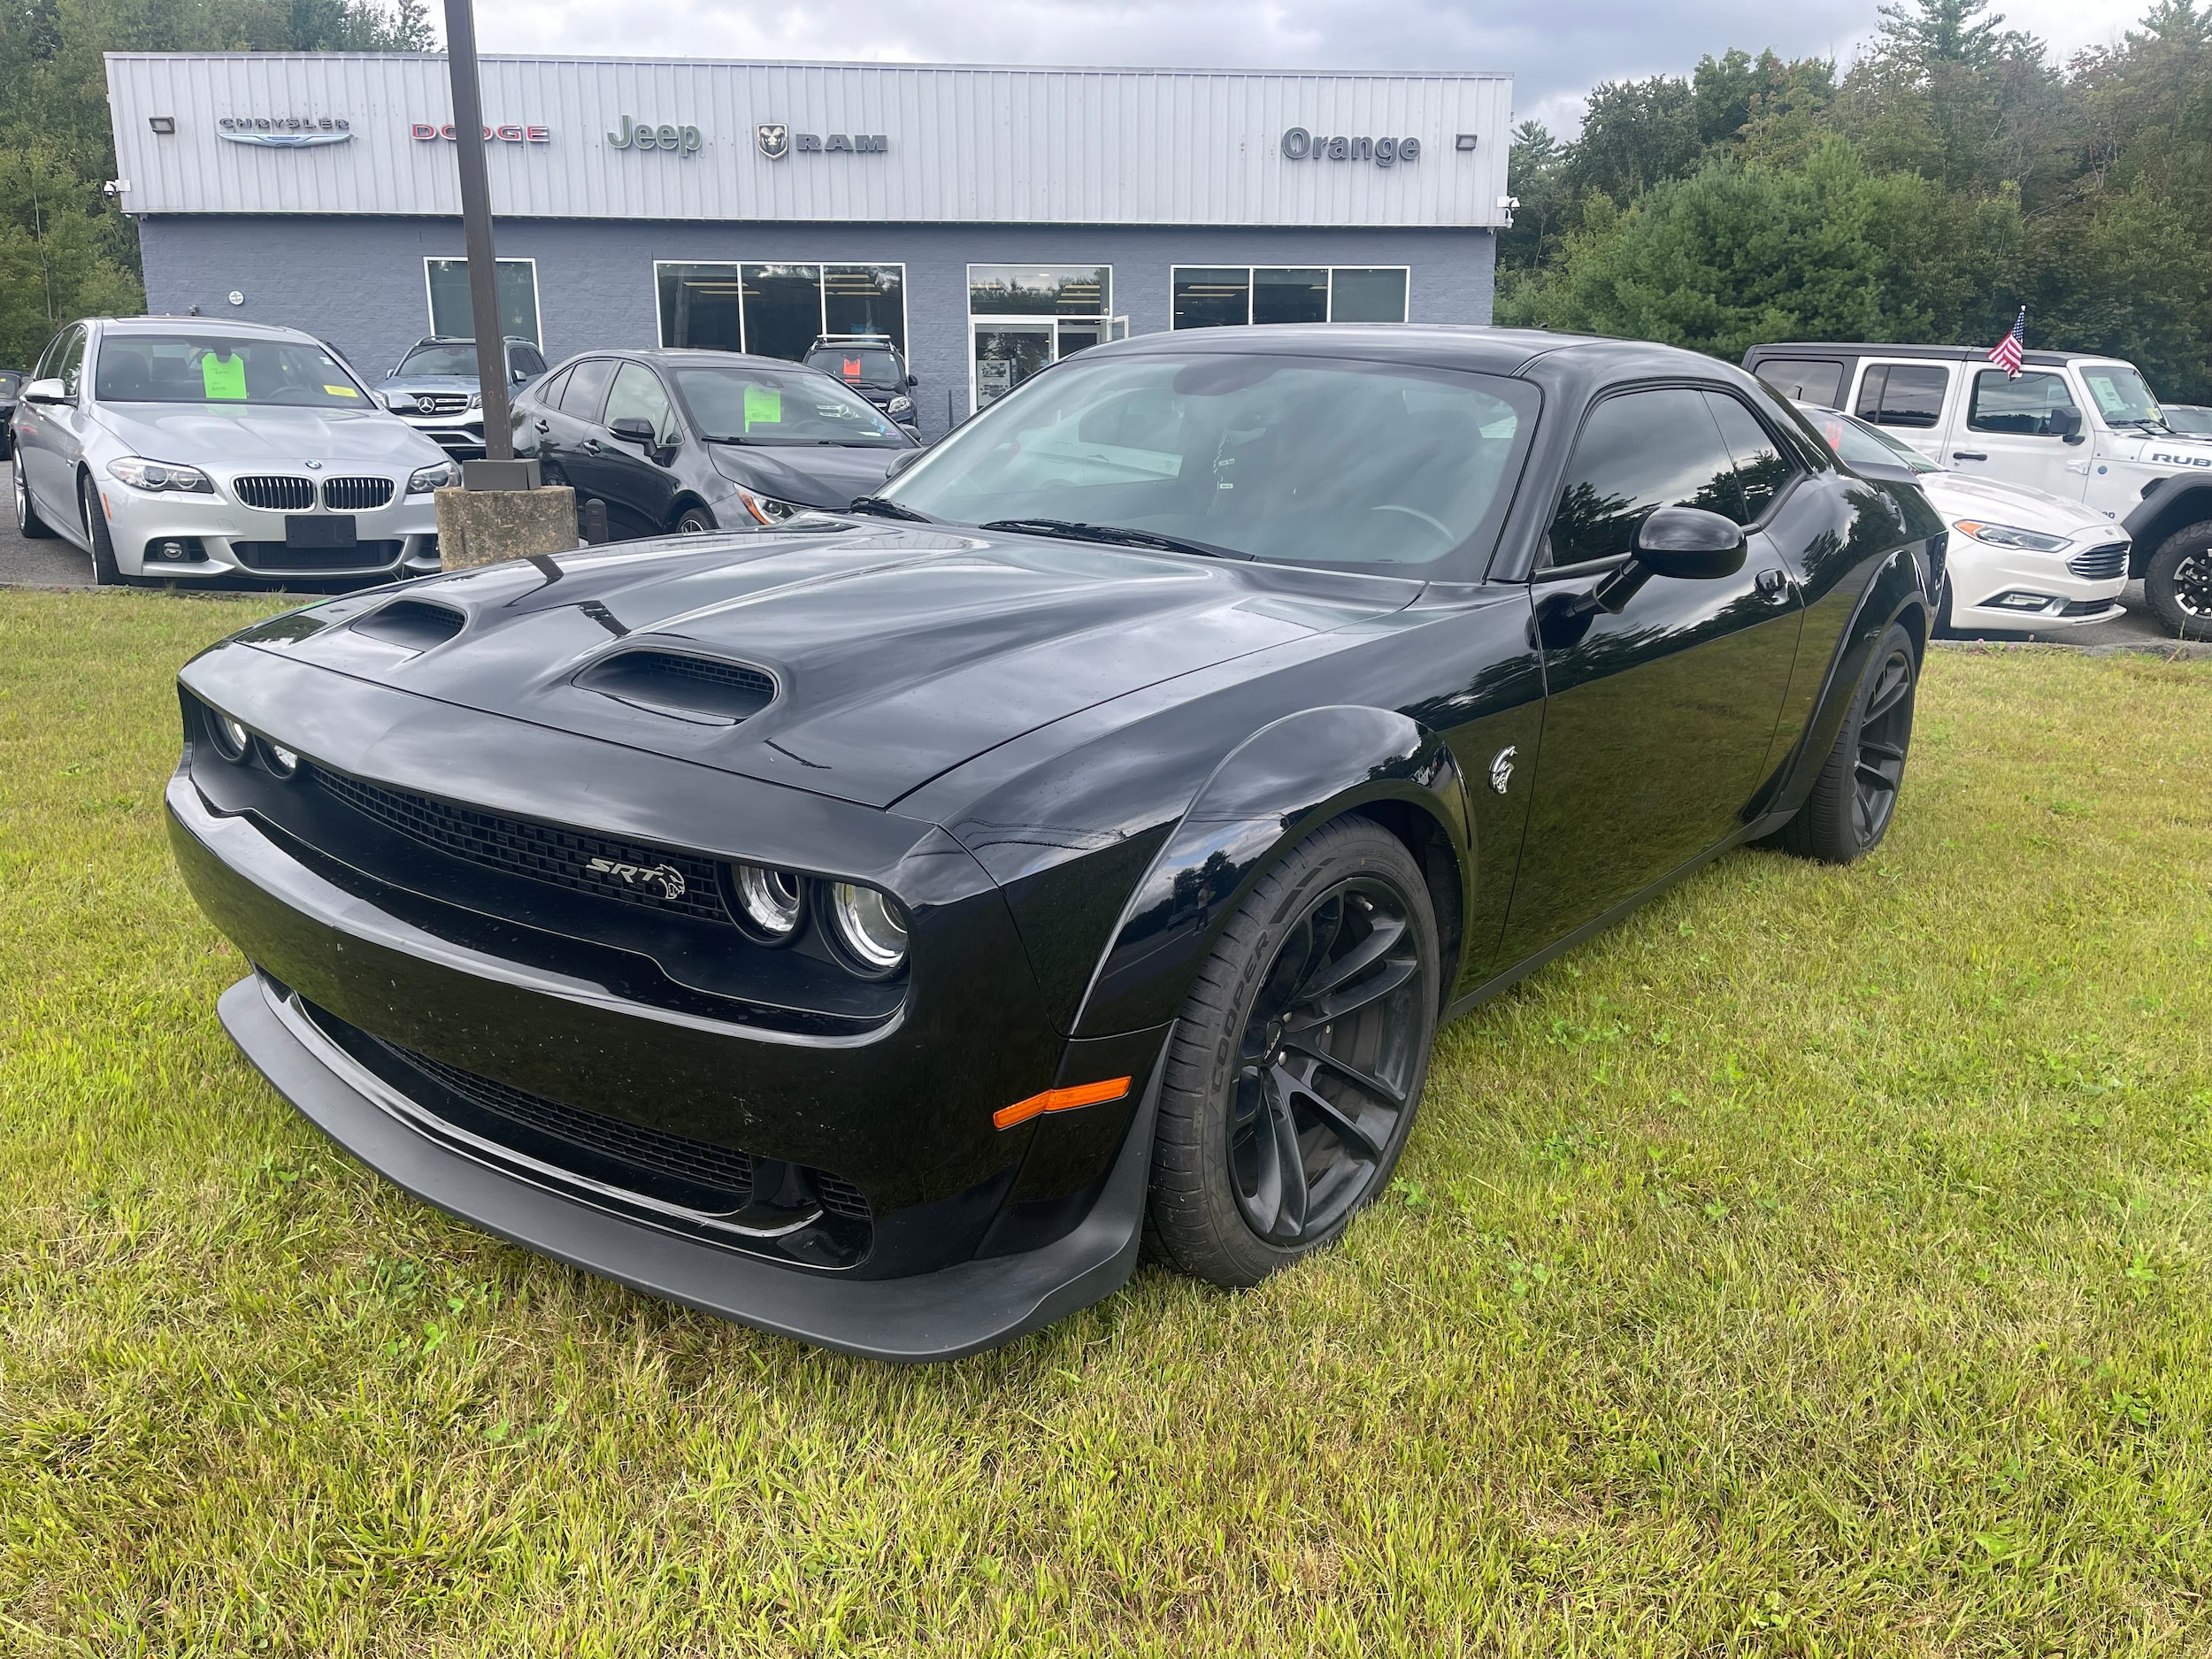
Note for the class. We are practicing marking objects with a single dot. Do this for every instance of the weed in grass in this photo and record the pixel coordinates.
(1814, 1264)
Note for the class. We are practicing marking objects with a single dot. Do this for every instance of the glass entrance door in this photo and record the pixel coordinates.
(1023, 319)
(1009, 350)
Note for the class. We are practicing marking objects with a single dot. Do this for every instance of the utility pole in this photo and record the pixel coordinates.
(476, 230)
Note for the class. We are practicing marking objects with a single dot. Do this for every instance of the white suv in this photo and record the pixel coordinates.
(2079, 426)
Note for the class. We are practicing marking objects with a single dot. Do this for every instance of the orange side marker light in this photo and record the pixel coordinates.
(1060, 1100)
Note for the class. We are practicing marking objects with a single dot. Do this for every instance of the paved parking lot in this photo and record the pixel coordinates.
(58, 564)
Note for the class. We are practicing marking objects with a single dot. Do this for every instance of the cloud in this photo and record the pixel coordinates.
(1555, 53)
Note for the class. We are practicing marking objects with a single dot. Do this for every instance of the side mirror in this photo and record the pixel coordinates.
(48, 391)
(913, 380)
(901, 462)
(1689, 544)
(632, 429)
(2064, 423)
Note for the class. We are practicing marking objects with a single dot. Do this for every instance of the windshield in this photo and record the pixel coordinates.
(2121, 398)
(857, 366)
(210, 369)
(452, 357)
(1861, 445)
(11, 383)
(1305, 460)
(772, 406)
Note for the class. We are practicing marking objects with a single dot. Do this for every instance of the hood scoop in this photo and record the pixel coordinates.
(688, 687)
(413, 624)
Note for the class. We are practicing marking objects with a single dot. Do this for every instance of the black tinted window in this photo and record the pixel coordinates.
(549, 392)
(1804, 379)
(586, 391)
(1637, 452)
(1761, 468)
(1903, 394)
(2023, 406)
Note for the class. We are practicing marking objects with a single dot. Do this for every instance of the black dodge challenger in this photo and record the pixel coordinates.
(880, 928)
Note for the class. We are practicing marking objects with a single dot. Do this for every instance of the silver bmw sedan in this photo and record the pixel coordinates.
(176, 448)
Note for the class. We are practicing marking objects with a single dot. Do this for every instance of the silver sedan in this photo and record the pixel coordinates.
(173, 448)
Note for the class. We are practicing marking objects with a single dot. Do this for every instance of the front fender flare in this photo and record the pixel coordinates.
(1288, 776)
(2173, 504)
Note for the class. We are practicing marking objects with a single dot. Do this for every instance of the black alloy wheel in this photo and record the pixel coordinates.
(2177, 583)
(104, 569)
(32, 527)
(1299, 1060)
(1856, 796)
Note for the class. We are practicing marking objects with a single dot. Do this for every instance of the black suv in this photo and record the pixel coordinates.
(872, 366)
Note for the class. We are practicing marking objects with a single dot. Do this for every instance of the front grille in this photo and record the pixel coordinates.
(2101, 564)
(654, 1151)
(356, 495)
(841, 1197)
(462, 446)
(630, 872)
(441, 403)
(276, 558)
(277, 495)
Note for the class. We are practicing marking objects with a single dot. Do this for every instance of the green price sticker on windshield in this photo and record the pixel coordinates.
(763, 407)
(223, 377)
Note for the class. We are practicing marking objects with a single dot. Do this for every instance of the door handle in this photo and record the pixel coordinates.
(545, 425)
(591, 446)
(1773, 580)
(1969, 455)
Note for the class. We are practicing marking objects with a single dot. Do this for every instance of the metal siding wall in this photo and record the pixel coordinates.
(975, 145)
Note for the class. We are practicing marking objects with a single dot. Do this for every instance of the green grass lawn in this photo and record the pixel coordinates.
(1816, 1264)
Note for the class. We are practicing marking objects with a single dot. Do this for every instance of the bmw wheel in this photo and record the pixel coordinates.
(2177, 583)
(105, 571)
(1856, 796)
(1298, 1060)
(27, 519)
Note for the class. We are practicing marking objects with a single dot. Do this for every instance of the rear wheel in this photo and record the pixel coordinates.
(1298, 1060)
(1855, 796)
(2177, 583)
(104, 570)
(32, 527)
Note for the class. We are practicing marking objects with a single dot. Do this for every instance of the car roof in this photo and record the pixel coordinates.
(689, 354)
(1940, 354)
(238, 327)
(1452, 345)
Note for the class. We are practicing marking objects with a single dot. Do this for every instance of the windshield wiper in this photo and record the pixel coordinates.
(1113, 534)
(882, 507)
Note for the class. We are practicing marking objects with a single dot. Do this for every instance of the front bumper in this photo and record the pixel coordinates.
(960, 1310)
(1980, 573)
(461, 436)
(214, 536)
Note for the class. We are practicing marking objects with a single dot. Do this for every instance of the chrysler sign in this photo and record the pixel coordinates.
(284, 132)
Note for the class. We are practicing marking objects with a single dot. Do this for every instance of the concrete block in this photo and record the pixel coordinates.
(481, 526)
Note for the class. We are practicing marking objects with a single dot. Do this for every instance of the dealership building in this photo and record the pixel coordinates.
(988, 220)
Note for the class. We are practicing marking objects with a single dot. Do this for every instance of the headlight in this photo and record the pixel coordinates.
(476, 400)
(868, 929)
(282, 761)
(2010, 535)
(901, 406)
(767, 508)
(160, 475)
(398, 402)
(770, 903)
(437, 475)
(229, 738)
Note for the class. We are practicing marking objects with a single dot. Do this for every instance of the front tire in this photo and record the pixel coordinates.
(2177, 583)
(1855, 796)
(1298, 1060)
(105, 572)
(693, 520)
(32, 528)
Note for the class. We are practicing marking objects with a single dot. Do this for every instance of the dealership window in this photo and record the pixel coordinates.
(1224, 296)
(453, 316)
(1021, 319)
(778, 310)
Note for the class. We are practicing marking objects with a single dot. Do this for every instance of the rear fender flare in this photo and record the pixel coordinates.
(1286, 779)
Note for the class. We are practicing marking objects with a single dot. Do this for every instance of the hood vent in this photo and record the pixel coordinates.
(689, 687)
(413, 625)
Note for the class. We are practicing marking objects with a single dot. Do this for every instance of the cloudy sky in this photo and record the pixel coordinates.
(1555, 52)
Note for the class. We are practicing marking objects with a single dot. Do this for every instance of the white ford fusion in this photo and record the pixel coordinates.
(178, 447)
(2019, 559)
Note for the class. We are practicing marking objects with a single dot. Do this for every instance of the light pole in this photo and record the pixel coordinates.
(476, 236)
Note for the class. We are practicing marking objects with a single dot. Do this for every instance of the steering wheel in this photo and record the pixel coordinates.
(1442, 529)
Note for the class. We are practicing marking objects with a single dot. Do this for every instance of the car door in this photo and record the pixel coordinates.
(563, 427)
(631, 477)
(49, 460)
(1658, 720)
(1906, 395)
(2024, 430)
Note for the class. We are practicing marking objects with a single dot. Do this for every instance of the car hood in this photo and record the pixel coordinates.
(815, 475)
(897, 652)
(1957, 495)
(247, 436)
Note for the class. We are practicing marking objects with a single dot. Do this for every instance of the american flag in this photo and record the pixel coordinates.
(2005, 353)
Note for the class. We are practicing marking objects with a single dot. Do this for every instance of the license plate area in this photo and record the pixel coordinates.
(320, 530)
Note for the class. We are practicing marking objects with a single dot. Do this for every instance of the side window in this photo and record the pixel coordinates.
(71, 368)
(1903, 394)
(527, 361)
(1762, 468)
(638, 395)
(1804, 379)
(549, 392)
(2023, 406)
(588, 389)
(1639, 451)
